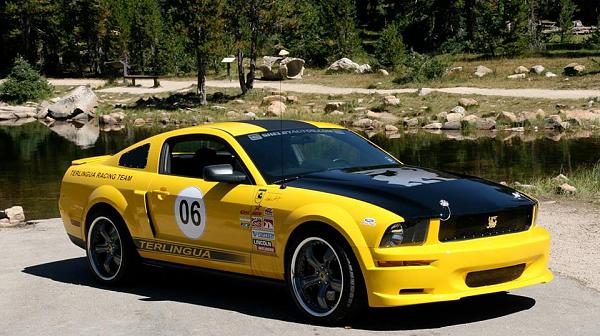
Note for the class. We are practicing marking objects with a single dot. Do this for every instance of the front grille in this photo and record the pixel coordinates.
(494, 276)
(478, 226)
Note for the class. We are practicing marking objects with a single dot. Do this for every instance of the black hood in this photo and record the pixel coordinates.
(414, 192)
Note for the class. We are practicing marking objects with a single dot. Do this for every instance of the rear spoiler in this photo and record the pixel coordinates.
(89, 159)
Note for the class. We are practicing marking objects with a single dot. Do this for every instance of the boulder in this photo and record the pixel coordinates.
(566, 189)
(583, 115)
(333, 106)
(107, 119)
(293, 99)
(363, 123)
(42, 110)
(139, 122)
(521, 70)
(459, 109)
(336, 113)
(433, 126)
(485, 124)
(383, 72)
(391, 100)
(119, 117)
(455, 69)
(276, 109)
(391, 128)
(232, 114)
(467, 102)
(574, 69)
(250, 115)
(278, 68)
(441, 116)
(385, 117)
(294, 67)
(8, 112)
(454, 117)
(269, 99)
(551, 74)
(347, 65)
(553, 122)
(15, 214)
(482, 71)
(411, 122)
(508, 118)
(517, 76)
(452, 125)
(538, 69)
(80, 100)
(561, 178)
(471, 119)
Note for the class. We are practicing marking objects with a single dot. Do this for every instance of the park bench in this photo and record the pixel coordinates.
(134, 77)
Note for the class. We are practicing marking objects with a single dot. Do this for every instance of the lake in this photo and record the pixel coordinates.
(35, 157)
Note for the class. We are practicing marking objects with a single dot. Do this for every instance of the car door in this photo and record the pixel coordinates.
(198, 222)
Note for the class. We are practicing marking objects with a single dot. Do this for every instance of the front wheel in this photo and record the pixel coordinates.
(110, 253)
(322, 279)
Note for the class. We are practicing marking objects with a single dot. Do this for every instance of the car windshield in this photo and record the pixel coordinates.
(281, 155)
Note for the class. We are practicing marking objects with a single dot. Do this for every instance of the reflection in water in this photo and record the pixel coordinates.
(82, 135)
(34, 157)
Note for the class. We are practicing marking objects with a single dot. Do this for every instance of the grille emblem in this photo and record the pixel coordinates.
(492, 222)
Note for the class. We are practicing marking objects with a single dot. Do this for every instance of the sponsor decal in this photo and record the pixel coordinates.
(250, 213)
(269, 212)
(190, 212)
(516, 195)
(245, 222)
(265, 249)
(268, 224)
(369, 221)
(260, 242)
(189, 251)
(257, 222)
(254, 137)
(102, 175)
(263, 234)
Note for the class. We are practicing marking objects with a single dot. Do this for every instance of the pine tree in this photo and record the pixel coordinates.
(565, 19)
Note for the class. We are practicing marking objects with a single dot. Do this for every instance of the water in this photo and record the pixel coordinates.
(35, 157)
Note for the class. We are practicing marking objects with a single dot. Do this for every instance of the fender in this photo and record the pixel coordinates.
(336, 217)
(109, 195)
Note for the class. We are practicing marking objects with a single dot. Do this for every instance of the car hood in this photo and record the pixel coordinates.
(414, 192)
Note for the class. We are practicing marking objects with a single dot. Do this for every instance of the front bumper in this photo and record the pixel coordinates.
(443, 279)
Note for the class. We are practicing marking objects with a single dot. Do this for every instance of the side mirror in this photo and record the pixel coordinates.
(223, 173)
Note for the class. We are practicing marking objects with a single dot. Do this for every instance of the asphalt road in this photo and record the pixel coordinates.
(46, 289)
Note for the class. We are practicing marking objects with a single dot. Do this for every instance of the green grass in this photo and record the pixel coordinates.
(586, 180)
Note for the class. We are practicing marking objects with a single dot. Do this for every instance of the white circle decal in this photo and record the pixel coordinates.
(190, 212)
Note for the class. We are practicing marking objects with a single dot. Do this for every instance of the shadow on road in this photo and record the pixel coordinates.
(271, 300)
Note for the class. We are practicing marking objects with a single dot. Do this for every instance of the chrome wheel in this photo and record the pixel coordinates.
(105, 248)
(316, 276)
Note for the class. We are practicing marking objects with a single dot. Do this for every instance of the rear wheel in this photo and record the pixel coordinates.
(110, 251)
(322, 278)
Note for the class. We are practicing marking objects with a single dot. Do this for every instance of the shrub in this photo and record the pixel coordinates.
(389, 48)
(24, 84)
(420, 68)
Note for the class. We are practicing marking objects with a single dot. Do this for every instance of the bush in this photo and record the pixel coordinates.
(24, 84)
(420, 68)
(389, 48)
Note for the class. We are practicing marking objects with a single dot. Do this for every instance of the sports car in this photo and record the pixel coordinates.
(341, 221)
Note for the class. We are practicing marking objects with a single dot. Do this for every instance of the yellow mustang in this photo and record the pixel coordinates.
(314, 204)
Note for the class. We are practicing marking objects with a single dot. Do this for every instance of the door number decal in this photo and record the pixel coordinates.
(190, 212)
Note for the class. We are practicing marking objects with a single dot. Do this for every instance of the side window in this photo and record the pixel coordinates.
(135, 158)
(188, 155)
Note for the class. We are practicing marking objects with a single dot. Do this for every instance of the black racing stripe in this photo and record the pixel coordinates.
(276, 125)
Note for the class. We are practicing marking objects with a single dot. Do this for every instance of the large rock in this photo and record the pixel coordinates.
(517, 76)
(276, 109)
(81, 100)
(363, 123)
(471, 119)
(521, 70)
(433, 126)
(485, 124)
(384, 117)
(268, 99)
(467, 102)
(554, 122)
(278, 68)
(391, 100)
(482, 71)
(452, 125)
(508, 118)
(551, 74)
(454, 117)
(411, 122)
(8, 112)
(574, 69)
(333, 106)
(538, 69)
(583, 115)
(15, 214)
(347, 65)
(459, 109)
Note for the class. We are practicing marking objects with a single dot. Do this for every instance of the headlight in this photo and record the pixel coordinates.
(407, 233)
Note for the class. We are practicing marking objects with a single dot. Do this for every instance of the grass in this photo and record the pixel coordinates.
(586, 180)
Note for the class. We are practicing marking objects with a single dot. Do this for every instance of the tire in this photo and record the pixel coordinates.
(110, 251)
(322, 279)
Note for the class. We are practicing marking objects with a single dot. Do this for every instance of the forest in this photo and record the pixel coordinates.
(176, 37)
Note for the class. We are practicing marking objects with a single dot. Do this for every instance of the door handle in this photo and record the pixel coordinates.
(162, 192)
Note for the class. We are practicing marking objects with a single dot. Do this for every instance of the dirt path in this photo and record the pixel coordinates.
(292, 86)
(575, 230)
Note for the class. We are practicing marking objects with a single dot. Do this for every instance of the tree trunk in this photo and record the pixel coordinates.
(241, 73)
(201, 67)
(254, 17)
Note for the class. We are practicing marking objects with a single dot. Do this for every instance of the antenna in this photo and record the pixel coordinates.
(281, 127)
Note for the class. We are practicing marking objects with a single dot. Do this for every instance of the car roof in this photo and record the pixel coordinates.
(244, 127)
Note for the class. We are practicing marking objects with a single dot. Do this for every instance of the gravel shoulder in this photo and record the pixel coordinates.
(47, 290)
(292, 86)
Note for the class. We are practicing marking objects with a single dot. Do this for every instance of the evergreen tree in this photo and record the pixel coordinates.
(565, 19)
